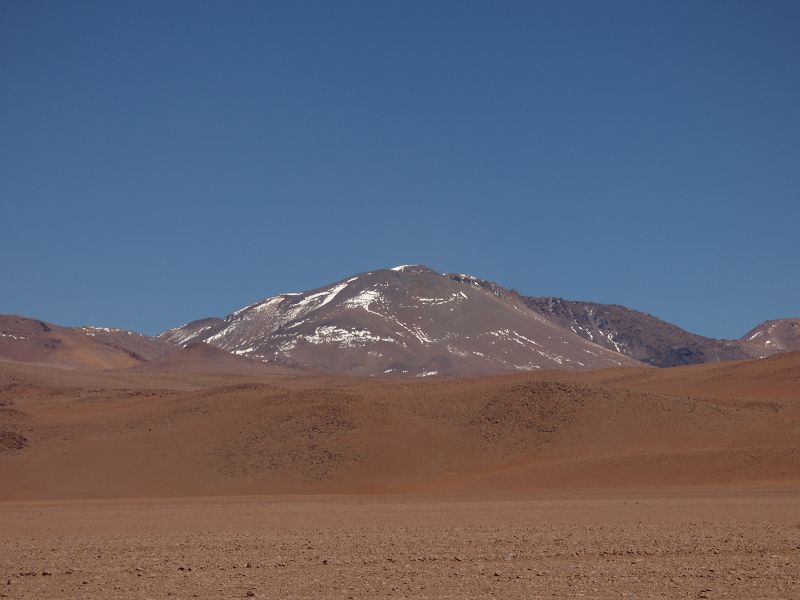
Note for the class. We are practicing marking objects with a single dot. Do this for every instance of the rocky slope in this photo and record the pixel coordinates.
(33, 341)
(408, 320)
(646, 338)
(637, 334)
(771, 337)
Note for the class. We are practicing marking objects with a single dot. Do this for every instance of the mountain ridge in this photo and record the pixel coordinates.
(637, 334)
(647, 338)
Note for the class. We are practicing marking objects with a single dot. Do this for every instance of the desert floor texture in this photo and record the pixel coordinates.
(664, 544)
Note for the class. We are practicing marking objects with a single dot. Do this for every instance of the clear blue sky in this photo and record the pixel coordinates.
(164, 161)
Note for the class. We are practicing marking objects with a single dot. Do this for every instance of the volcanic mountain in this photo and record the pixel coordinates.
(408, 320)
(771, 337)
(637, 334)
(33, 341)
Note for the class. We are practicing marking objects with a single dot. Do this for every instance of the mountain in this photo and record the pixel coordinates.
(637, 334)
(33, 341)
(408, 320)
(771, 337)
(653, 341)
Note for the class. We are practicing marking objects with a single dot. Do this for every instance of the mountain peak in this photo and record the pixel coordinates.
(413, 269)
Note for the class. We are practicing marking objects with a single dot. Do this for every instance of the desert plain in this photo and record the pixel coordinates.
(204, 475)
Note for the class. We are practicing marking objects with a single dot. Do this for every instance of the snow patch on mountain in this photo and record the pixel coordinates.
(364, 299)
(346, 338)
(13, 337)
(427, 373)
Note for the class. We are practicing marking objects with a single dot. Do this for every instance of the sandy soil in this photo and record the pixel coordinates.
(645, 544)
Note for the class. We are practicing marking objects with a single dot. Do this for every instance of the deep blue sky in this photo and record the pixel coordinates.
(164, 161)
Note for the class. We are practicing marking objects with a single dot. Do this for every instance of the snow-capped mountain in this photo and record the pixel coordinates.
(408, 320)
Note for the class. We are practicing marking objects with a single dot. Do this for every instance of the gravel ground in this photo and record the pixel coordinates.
(639, 544)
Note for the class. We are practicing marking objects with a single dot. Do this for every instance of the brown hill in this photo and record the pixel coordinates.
(33, 341)
(143, 432)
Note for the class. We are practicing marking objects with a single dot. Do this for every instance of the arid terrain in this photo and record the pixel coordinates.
(369, 300)
(169, 478)
(699, 543)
